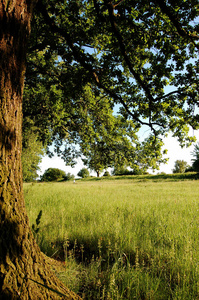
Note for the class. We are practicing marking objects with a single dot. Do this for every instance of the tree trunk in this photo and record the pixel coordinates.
(24, 272)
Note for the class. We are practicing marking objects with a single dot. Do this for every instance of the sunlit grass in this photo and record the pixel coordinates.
(132, 239)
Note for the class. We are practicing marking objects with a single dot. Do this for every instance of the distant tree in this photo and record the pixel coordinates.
(95, 162)
(195, 153)
(83, 173)
(121, 171)
(53, 174)
(106, 174)
(180, 166)
(124, 171)
(69, 176)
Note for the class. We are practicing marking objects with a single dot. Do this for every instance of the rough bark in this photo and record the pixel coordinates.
(24, 272)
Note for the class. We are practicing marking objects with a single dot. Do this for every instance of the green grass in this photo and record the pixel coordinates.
(121, 239)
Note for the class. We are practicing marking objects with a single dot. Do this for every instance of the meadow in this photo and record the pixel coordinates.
(120, 239)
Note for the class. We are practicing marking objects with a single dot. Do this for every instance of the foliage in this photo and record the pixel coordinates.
(53, 174)
(124, 171)
(149, 177)
(113, 140)
(83, 173)
(69, 176)
(121, 171)
(180, 166)
(106, 174)
(32, 152)
(195, 153)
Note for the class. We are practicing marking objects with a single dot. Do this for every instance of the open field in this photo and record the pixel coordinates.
(121, 239)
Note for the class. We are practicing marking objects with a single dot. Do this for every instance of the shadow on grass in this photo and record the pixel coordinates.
(99, 260)
(85, 251)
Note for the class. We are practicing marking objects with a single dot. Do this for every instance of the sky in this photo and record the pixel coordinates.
(175, 152)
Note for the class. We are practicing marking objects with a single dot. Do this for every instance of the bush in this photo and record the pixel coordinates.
(53, 174)
(180, 166)
(83, 173)
(106, 173)
(69, 176)
(122, 171)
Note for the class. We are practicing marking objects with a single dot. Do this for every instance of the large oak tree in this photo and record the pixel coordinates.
(24, 272)
(138, 48)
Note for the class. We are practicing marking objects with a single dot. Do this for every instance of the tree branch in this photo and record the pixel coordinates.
(121, 43)
(181, 31)
(180, 91)
(81, 58)
(115, 5)
(119, 38)
(38, 47)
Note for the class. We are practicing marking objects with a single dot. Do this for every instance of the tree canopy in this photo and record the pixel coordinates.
(141, 55)
(53, 174)
(109, 140)
(83, 173)
(180, 166)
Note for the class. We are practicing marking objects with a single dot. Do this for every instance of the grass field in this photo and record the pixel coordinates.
(121, 239)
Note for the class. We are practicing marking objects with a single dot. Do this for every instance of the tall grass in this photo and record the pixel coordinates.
(123, 239)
